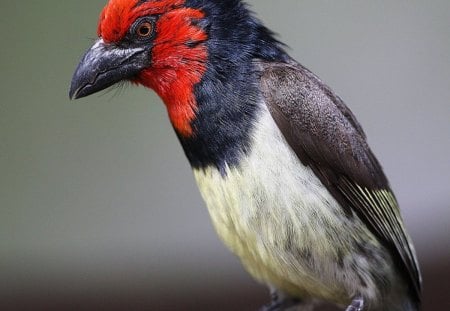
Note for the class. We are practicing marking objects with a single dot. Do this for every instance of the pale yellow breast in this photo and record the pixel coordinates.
(273, 212)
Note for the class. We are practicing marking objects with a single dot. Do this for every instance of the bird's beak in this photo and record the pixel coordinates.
(104, 65)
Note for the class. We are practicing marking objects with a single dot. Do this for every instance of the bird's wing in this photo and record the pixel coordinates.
(325, 135)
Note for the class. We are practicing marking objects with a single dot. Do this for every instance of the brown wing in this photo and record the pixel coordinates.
(325, 135)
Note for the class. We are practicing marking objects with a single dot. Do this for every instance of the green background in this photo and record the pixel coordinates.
(98, 206)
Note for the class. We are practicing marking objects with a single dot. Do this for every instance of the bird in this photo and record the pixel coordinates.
(289, 180)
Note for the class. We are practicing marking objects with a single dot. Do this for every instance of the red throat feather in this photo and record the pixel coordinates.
(179, 52)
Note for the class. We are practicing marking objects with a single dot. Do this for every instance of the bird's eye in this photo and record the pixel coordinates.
(145, 30)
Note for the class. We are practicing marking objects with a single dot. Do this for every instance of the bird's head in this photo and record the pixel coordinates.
(156, 43)
(169, 46)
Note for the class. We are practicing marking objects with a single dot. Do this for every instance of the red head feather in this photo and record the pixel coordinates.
(177, 65)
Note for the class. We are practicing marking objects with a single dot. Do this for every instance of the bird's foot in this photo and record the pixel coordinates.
(357, 305)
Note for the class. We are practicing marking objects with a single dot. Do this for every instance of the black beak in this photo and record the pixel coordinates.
(104, 65)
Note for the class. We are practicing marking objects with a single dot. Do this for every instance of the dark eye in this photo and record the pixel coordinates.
(145, 30)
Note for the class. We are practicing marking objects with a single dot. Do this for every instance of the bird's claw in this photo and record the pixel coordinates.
(357, 305)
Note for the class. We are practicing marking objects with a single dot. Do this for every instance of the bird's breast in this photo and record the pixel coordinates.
(276, 215)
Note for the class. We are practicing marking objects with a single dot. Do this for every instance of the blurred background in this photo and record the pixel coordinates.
(98, 206)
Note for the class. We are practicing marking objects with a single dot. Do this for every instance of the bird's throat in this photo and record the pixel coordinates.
(176, 89)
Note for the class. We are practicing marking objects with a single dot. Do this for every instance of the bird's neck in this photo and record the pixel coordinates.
(211, 108)
(227, 107)
(211, 87)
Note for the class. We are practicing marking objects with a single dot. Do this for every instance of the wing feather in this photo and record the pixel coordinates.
(326, 136)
